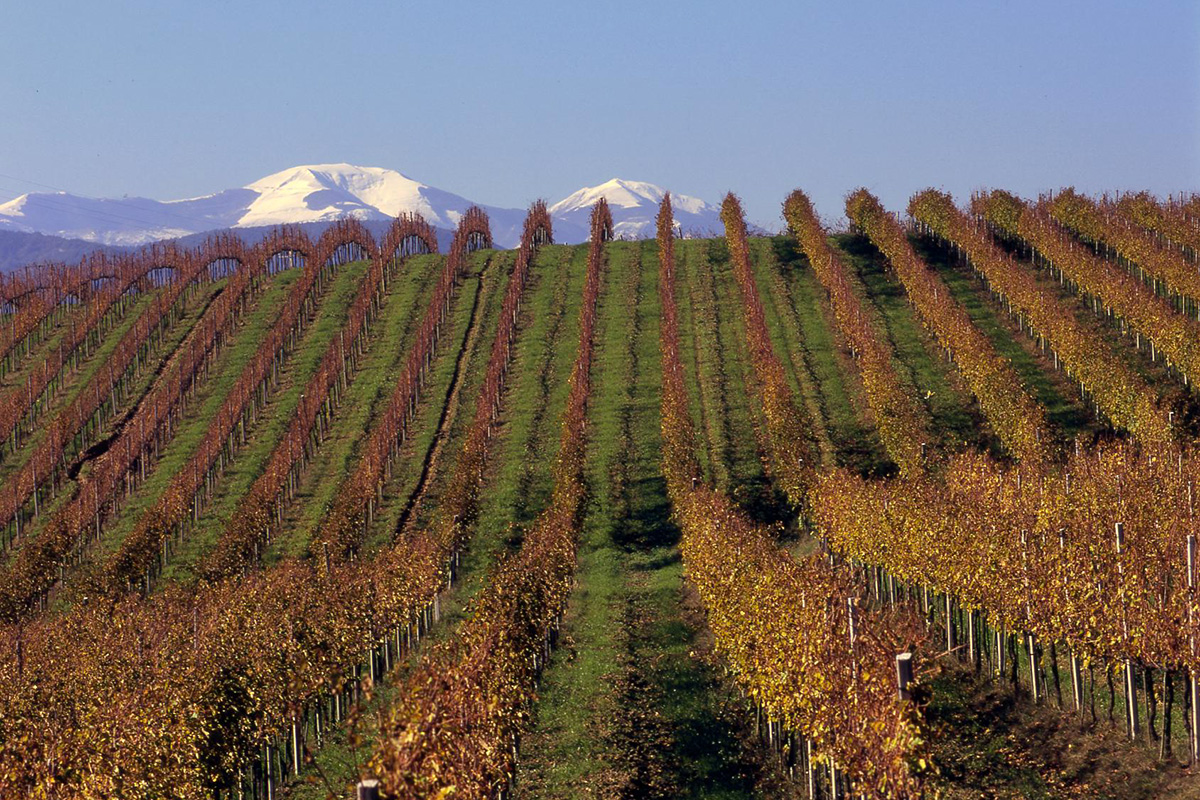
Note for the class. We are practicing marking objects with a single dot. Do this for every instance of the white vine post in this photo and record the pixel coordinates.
(1193, 684)
(1076, 682)
(1131, 711)
(1030, 644)
(951, 633)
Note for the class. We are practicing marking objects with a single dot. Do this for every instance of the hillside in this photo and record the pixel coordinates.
(641, 515)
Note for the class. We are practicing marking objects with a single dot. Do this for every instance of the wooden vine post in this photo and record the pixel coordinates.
(972, 636)
(904, 675)
(810, 769)
(999, 640)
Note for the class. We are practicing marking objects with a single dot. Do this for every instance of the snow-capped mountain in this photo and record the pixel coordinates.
(127, 221)
(305, 194)
(634, 206)
(326, 192)
(321, 193)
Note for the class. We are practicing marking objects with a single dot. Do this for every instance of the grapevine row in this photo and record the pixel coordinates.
(216, 672)
(1099, 556)
(1166, 268)
(23, 326)
(52, 282)
(354, 505)
(74, 425)
(793, 456)
(253, 619)
(38, 564)
(20, 404)
(1175, 336)
(181, 268)
(1191, 208)
(33, 295)
(456, 725)
(898, 417)
(1014, 415)
(1118, 392)
(145, 550)
(249, 528)
(1169, 221)
(789, 629)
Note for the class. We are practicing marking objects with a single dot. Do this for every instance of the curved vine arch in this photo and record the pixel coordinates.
(344, 241)
(539, 230)
(409, 234)
(285, 247)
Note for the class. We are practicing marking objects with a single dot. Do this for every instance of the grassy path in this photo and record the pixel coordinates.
(988, 744)
(537, 394)
(790, 343)
(628, 706)
(839, 385)
(721, 375)
(474, 301)
(702, 362)
(956, 420)
(469, 340)
(743, 422)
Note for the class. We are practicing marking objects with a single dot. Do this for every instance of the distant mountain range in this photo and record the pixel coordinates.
(43, 226)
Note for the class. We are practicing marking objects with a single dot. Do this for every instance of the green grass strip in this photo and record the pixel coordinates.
(626, 708)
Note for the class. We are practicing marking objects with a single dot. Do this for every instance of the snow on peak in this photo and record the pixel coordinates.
(319, 193)
(324, 192)
(634, 206)
(16, 206)
(364, 182)
(619, 193)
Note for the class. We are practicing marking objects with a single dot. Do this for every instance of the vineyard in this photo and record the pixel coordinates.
(903, 510)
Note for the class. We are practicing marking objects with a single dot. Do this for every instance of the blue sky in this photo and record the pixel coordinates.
(506, 102)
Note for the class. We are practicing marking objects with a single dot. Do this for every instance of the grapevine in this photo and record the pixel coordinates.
(782, 624)
(793, 456)
(1167, 270)
(456, 727)
(1015, 416)
(900, 420)
(1118, 392)
(1169, 333)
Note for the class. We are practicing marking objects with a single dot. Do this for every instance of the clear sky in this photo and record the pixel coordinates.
(503, 102)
